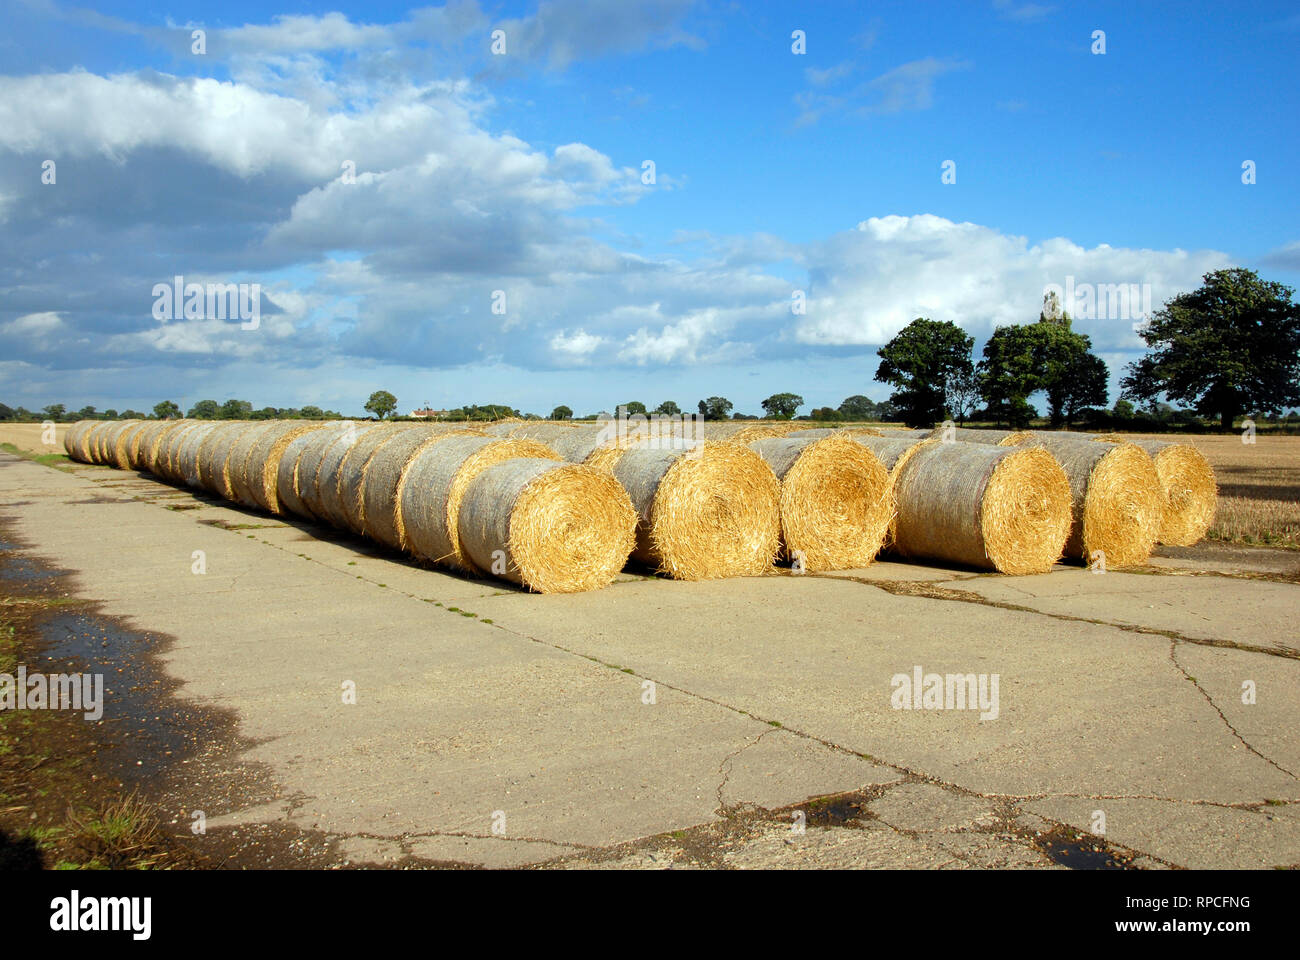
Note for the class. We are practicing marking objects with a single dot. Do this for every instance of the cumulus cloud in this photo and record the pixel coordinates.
(868, 283)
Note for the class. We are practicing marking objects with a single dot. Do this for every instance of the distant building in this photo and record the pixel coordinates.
(427, 414)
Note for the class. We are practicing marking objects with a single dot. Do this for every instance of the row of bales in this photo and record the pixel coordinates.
(560, 507)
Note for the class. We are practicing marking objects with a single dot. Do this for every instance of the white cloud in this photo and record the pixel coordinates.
(868, 283)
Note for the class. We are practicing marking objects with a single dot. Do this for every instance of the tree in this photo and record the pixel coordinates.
(381, 404)
(918, 362)
(632, 408)
(886, 412)
(7, 412)
(561, 413)
(109, 414)
(55, 411)
(86, 413)
(1086, 384)
(668, 409)
(963, 394)
(715, 408)
(1229, 347)
(234, 409)
(858, 407)
(1066, 369)
(825, 413)
(782, 406)
(1008, 374)
(166, 410)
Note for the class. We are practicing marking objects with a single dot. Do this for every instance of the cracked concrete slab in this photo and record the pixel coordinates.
(1248, 612)
(1194, 835)
(766, 692)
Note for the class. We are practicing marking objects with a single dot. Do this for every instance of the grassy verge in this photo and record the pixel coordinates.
(60, 461)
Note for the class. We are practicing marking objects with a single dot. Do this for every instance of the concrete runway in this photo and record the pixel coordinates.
(738, 723)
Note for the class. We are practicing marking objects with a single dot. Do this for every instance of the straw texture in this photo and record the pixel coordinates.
(552, 527)
(836, 499)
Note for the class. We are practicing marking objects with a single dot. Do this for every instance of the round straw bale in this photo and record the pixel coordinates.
(544, 431)
(378, 515)
(758, 431)
(268, 456)
(237, 461)
(836, 499)
(149, 453)
(84, 451)
(113, 442)
(712, 512)
(1000, 508)
(434, 483)
(500, 428)
(1118, 504)
(291, 459)
(188, 452)
(330, 476)
(319, 463)
(214, 448)
(998, 438)
(550, 526)
(170, 446)
(126, 443)
(725, 429)
(95, 439)
(72, 439)
(352, 471)
(897, 432)
(1190, 490)
(816, 433)
(579, 443)
(136, 438)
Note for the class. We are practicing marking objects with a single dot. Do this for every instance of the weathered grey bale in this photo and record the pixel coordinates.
(99, 441)
(896, 432)
(128, 443)
(543, 431)
(997, 438)
(214, 449)
(353, 467)
(501, 428)
(170, 447)
(999, 508)
(152, 456)
(138, 451)
(578, 444)
(312, 477)
(891, 451)
(72, 439)
(434, 483)
(379, 517)
(725, 429)
(187, 454)
(237, 461)
(550, 526)
(118, 438)
(263, 467)
(328, 504)
(299, 463)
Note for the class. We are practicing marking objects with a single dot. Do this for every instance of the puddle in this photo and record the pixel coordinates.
(149, 729)
(1078, 853)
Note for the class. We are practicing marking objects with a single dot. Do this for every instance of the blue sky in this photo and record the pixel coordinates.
(523, 173)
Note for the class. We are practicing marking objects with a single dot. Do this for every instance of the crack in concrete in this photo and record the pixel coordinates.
(1233, 730)
(926, 590)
